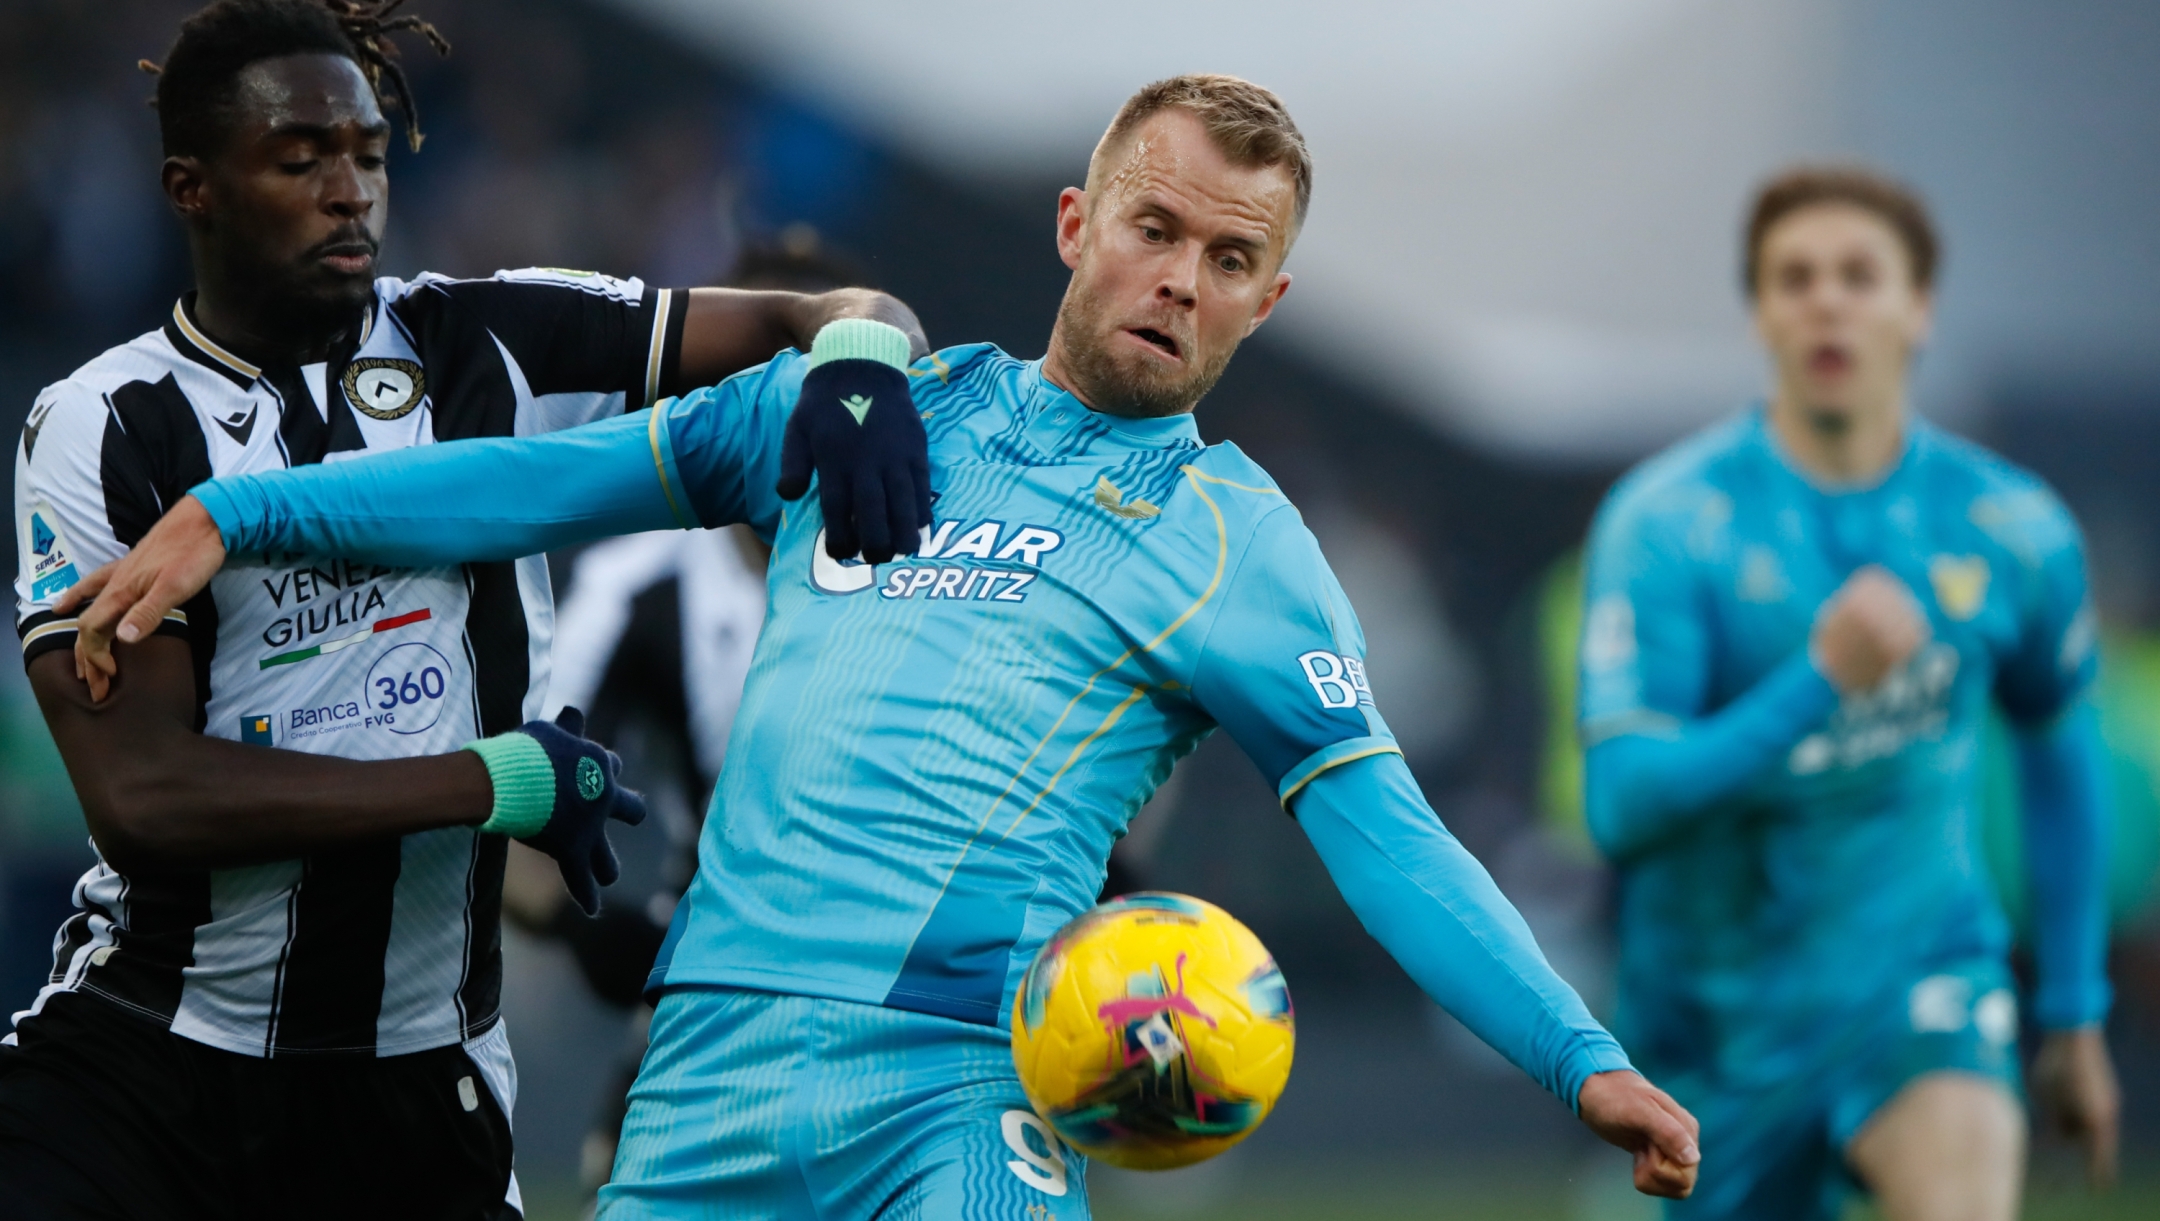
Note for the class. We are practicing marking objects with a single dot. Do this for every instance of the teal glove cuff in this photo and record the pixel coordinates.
(524, 783)
(861, 339)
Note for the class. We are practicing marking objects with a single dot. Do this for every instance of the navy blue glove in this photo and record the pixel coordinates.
(855, 427)
(556, 791)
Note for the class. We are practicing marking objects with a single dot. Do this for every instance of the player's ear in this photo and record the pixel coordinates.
(1923, 321)
(1072, 225)
(1267, 304)
(186, 186)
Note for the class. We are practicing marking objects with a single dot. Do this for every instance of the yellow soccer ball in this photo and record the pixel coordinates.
(1153, 1032)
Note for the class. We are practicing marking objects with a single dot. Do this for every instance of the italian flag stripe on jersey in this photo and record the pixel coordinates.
(332, 646)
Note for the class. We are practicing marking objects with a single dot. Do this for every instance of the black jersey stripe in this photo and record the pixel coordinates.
(333, 973)
(480, 992)
(300, 426)
(155, 942)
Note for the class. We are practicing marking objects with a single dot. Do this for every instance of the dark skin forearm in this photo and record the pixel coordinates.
(157, 795)
(728, 330)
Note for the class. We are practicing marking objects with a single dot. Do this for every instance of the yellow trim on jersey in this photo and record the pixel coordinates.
(659, 459)
(209, 346)
(655, 351)
(1110, 719)
(42, 630)
(1331, 765)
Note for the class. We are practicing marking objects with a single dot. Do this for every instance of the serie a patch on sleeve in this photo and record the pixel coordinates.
(52, 561)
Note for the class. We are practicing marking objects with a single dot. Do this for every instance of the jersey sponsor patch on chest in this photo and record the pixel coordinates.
(1911, 705)
(991, 549)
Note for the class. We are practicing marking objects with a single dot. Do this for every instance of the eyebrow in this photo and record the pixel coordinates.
(322, 131)
(1250, 246)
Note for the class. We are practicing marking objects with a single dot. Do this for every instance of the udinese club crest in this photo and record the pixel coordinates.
(384, 389)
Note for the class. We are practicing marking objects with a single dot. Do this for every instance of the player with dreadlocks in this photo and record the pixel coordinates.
(279, 994)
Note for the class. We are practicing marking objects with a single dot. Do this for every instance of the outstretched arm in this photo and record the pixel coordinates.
(1432, 906)
(1282, 669)
(158, 795)
(730, 329)
(2062, 771)
(424, 506)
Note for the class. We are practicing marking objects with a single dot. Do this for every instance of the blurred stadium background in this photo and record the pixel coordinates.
(1519, 276)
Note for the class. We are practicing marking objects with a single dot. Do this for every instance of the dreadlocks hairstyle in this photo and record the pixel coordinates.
(196, 99)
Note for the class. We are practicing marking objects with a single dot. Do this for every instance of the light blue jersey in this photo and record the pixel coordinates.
(1805, 921)
(934, 756)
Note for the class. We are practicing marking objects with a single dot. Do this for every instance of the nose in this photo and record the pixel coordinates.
(347, 193)
(1180, 285)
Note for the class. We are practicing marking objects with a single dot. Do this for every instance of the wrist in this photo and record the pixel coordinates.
(523, 781)
(220, 515)
(860, 339)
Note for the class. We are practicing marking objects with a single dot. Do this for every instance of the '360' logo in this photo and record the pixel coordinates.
(405, 689)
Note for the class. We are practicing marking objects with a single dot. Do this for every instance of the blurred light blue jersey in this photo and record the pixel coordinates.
(934, 756)
(1818, 864)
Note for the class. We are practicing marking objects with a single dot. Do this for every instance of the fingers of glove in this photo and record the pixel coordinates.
(900, 512)
(795, 465)
(837, 498)
(629, 807)
(571, 721)
(871, 518)
(605, 867)
(920, 469)
(578, 879)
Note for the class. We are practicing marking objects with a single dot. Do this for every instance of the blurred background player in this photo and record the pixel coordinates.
(286, 964)
(1795, 624)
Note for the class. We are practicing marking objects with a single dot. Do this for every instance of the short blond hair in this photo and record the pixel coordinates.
(1249, 124)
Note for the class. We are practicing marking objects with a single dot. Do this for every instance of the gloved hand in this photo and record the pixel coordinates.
(556, 791)
(855, 428)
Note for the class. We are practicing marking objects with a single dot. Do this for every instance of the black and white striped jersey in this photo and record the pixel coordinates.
(382, 948)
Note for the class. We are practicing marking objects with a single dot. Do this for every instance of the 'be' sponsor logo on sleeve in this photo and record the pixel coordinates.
(1338, 680)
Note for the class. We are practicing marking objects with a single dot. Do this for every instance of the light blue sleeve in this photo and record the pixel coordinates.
(1421, 894)
(2062, 761)
(2062, 774)
(1283, 666)
(500, 498)
(1658, 758)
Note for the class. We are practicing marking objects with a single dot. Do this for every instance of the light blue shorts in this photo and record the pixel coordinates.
(766, 1105)
(1777, 1152)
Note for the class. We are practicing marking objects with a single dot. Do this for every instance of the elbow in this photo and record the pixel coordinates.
(129, 819)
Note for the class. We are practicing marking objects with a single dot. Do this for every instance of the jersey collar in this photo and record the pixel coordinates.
(1060, 424)
(1917, 437)
(191, 341)
(194, 343)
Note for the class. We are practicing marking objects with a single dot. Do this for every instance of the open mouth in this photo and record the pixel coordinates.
(1829, 360)
(1167, 345)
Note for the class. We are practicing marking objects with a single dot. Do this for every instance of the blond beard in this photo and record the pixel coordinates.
(1127, 388)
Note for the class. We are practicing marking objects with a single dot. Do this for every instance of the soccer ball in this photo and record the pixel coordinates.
(1153, 1032)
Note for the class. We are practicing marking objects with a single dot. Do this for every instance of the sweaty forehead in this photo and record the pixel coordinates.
(305, 90)
(1170, 160)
